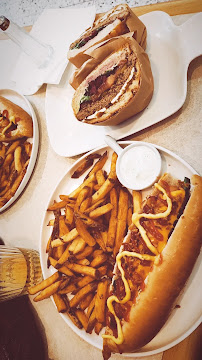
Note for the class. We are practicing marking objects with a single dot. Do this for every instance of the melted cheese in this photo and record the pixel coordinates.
(136, 217)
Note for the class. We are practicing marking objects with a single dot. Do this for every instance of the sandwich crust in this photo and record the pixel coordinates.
(22, 121)
(165, 282)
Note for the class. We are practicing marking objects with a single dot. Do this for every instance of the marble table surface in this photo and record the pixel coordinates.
(25, 12)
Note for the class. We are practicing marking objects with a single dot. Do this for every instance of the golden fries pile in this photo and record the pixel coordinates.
(14, 160)
(88, 227)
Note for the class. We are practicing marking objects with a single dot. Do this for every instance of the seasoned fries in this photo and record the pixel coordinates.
(44, 284)
(88, 161)
(84, 233)
(100, 301)
(14, 160)
(113, 220)
(81, 293)
(121, 219)
(88, 226)
(47, 292)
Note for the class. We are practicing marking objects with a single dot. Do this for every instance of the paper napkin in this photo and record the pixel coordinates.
(58, 28)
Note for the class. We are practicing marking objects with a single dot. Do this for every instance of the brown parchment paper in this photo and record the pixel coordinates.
(133, 23)
(146, 86)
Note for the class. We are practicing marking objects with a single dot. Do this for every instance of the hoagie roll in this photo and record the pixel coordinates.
(167, 253)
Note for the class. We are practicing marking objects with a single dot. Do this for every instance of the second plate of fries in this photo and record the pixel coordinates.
(17, 157)
(84, 224)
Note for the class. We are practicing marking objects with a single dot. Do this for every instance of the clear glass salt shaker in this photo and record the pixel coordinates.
(40, 53)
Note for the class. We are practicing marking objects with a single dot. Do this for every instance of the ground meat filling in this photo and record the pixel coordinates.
(88, 36)
(101, 91)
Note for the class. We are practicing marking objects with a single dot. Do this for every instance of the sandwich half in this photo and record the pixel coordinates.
(120, 86)
(118, 21)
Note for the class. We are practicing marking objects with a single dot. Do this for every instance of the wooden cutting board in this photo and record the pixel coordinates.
(177, 7)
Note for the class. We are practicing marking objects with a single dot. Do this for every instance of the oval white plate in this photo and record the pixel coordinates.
(170, 49)
(20, 100)
(183, 320)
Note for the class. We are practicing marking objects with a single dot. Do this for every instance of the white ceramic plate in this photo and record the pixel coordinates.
(20, 100)
(183, 320)
(170, 49)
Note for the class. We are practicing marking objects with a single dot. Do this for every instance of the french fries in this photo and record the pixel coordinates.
(85, 270)
(88, 161)
(137, 200)
(113, 220)
(81, 294)
(82, 318)
(100, 301)
(87, 229)
(44, 284)
(60, 302)
(14, 160)
(121, 219)
(47, 292)
(84, 233)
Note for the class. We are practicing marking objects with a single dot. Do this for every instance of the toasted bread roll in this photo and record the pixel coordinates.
(15, 122)
(150, 305)
(118, 87)
(117, 21)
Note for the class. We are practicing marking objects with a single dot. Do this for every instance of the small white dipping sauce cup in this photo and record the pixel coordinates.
(138, 165)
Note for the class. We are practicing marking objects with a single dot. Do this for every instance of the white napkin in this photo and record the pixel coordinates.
(58, 28)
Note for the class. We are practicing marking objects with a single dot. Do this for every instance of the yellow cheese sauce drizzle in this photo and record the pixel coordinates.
(135, 218)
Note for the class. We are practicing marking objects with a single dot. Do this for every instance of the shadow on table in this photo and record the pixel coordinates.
(22, 335)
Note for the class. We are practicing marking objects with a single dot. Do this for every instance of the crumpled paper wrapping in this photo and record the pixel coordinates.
(133, 23)
(57, 28)
(98, 54)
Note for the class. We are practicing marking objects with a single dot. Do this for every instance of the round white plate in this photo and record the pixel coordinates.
(20, 100)
(183, 320)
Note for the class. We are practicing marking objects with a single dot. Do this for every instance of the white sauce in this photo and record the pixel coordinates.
(139, 167)
(123, 87)
(96, 114)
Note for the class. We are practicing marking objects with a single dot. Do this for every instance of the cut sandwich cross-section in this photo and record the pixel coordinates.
(108, 94)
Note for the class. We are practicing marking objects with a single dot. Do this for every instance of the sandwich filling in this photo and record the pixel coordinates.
(108, 83)
(142, 250)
